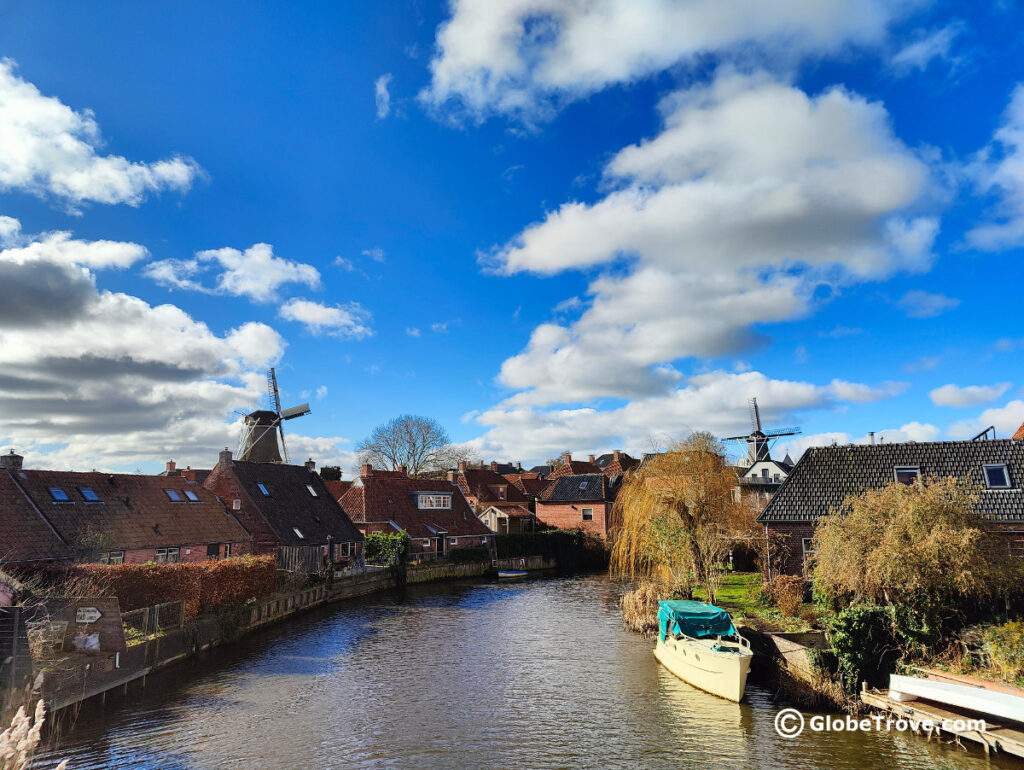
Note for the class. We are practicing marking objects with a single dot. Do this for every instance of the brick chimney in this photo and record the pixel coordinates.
(519, 466)
(403, 470)
(567, 457)
(225, 458)
(367, 470)
(494, 466)
(616, 455)
(451, 476)
(170, 467)
(591, 458)
(11, 462)
(463, 465)
(188, 474)
(310, 465)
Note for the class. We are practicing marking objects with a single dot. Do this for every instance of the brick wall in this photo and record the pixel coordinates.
(186, 553)
(570, 516)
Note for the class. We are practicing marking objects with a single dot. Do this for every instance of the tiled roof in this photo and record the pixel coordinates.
(612, 467)
(574, 468)
(24, 534)
(514, 511)
(394, 498)
(542, 470)
(529, 484)
(580, 488)
(131, 511)
(337, 488)
(825, 476)
(291, 506)
(1019, 435)
(477, 482)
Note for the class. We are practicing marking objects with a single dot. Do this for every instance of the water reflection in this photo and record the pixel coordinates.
(535, 674)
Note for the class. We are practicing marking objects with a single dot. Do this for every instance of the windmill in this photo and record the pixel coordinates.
(261, 427)
(759, 442)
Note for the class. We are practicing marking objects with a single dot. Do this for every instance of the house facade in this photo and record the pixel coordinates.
(483, 488)
(582, 501)
(509, 520)
(286, 507)
(116, 518)
(825, 476)
(434, 513)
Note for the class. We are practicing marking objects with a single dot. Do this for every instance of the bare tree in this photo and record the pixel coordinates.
(450, 455)
(410, 440)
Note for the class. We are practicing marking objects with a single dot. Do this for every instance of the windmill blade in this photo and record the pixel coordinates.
(275, 396)
(284, 446)
(296, 411)
(782, 432)
(755, 415)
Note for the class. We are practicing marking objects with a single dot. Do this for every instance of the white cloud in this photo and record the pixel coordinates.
(321, 393)
(49, 149)
(255, 273)
(348, 321)
(376, 254)
(525, 57)
(971, 395)
(928, 47)
(439, 328)
(840, 332)
(567, 305)
(60, 248)
(999, 170)
(912, 431)
(922, 364)
(1005, 419)
(412, 331)
(922, 304)
(750, 196)
(381, 95)
(859, 393)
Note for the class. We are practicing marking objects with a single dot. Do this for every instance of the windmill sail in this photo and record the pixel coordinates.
(264, 428)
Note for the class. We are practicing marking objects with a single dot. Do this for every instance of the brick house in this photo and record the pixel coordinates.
(616, 463)
(570, 467)
(509, 520)
(581, 501)
(118, 518)
(483, 488)
(287, 509)
(824, 477)
(434, 512)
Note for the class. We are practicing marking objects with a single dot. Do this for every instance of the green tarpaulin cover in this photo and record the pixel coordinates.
(694, 619)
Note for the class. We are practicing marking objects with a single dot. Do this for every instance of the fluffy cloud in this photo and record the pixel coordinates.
(49, 149)
(716, 401)
(255, 273)
(752, 194)
(972, 395)
(912, 431)
(345, 321)
(928, 47)
(999, 170)
(1005, 419)
(122, 381)
(523, 57)
(382, 96)
(922, 304)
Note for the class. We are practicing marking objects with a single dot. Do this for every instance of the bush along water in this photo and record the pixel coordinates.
(573, 549)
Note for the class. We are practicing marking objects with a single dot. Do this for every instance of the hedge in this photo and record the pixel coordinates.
(203, 586)
(573, 549)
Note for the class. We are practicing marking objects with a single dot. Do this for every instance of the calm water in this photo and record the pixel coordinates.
(535, 674)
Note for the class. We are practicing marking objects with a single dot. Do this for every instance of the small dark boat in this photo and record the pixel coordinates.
(512, 573)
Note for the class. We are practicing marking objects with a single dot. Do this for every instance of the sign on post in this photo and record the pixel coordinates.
(87, 615)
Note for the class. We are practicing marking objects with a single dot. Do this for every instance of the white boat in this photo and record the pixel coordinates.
(698, 643)
(505, 574)
(992, 703)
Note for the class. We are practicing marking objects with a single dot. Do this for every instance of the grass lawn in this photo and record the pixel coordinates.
(740, 594)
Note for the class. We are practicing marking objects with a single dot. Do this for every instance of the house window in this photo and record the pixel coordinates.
(907, 475)
(311, 490)
(808, 546)
(1016, 546)
(173, 494)
(764, 473)
(236, 504)
(997, 477)
(227, 550)
(112, 557)
(434, 501)
(588, 514)
(453, 540)
(262, 489)
(167, 555)
(583, 485)
(59, 494)
(298, 533)
(89, 494)
(192, 496)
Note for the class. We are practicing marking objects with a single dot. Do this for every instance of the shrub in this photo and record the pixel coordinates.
(787, 593)
(573, 549)
(1005, 645)
(864, 644)
(467, 555)
(640, 608)
(386, 548)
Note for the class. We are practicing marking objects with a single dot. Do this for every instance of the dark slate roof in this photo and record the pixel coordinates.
(25, 536)
(542, 470)
(580, 488)
(825, 476)
(290, 504)
(574, 468)
(132, 511)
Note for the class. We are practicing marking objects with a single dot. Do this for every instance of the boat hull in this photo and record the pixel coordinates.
(696, 662)
(508, 574)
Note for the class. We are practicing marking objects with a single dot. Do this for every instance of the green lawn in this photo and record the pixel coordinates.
(740, 594)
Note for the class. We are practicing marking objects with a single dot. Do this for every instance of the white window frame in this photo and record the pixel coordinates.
(298, 533)
(807, 545)
(227, 550)
(426, 501)
(583, 512)
(164, 555)
(1006, 475)
(112, 557)
(896, 472)
(190, 495)
(311, 490)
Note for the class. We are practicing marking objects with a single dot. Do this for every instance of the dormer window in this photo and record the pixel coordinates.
(907, 474)
(192, 496)
(311, 490)
(263, 489)
(996, 476)
(430, 501)
(59, 494)
(173, 495)
(89, 494)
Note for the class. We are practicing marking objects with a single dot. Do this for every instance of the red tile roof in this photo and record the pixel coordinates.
(530, 485)
(476, 484)
(130, 511)
(1019, 435)
(24, 534)
(337, 488)
(382, 499)
(574, 468)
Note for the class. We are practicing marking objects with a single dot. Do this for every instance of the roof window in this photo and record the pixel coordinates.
(583, 485)
(173, 495)
(996, 476)
(311, 490)
(298, 533)
(59, 494)
(89, 494)
(907, 474)
(263, 489)
(191, 495)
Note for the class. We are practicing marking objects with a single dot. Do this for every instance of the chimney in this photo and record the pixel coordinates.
(170, 467)
(591, 459)
(188, 474)
(871, 437)
(519, 466)
(11, 462)
(617, 455)
(310, 465)
(463, 465)
(403, 470)
(451, 476)
(367, 470)
(494, 466)
(225, 458)
(567, 457)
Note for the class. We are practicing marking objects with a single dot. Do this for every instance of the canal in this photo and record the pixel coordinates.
(534, 674)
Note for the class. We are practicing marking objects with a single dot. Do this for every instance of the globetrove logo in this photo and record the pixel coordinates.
(791, 723)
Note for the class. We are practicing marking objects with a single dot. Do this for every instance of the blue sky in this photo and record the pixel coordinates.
(548, 226)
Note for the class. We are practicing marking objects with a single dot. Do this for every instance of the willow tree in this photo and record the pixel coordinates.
(677, 515)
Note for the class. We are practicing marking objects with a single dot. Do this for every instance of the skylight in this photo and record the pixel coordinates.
(311, 490)
(583, 485)
(89, 494)
(173, 494)
(997, 477)
(59, 494)
(298, 533)
(191, 495)
(263, 489)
